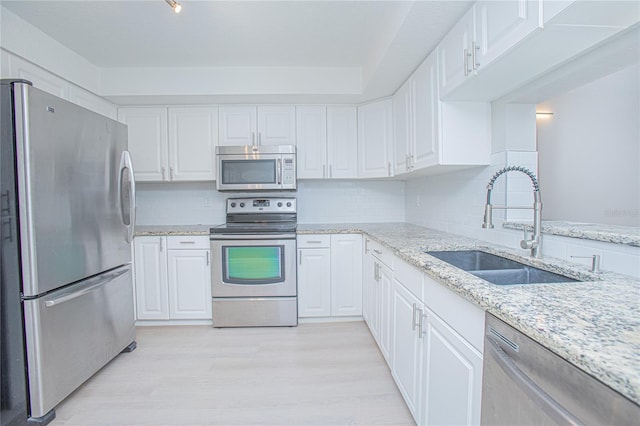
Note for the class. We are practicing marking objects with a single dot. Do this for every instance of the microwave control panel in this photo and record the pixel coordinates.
(288, 171)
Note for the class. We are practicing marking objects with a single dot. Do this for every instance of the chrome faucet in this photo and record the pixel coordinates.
(535, 243)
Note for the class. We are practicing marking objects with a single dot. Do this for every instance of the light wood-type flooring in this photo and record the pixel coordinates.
(313, 374)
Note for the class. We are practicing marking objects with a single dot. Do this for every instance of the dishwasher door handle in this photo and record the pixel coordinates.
(549, 405)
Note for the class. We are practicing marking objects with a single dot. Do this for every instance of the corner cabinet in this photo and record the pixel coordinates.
(375, 139)
(172, 144)
(172, 278)
(329, 275)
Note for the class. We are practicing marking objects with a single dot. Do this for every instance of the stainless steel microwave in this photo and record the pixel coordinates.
(256, 168)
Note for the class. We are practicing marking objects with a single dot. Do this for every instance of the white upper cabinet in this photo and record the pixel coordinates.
(327, 140)
(311, 154)
(486, 32)
(375, 137)
(193, 136)
(92, 102)
(342, 142)
(148, 146)
(261, 125)
(454, 53)
(177, 144)
(415, 109)
(500, 25)
(40, 78)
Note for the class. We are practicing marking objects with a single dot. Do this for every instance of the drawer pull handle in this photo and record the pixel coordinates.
(314, 242)
(187, 242)
(376, 251)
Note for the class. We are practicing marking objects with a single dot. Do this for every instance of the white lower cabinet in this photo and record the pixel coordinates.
(430, 336)
(452, 372)
(329, 275)
(172, 278)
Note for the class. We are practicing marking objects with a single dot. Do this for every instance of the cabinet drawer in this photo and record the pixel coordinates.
(193, 242)
(314, 241)
(380, 252)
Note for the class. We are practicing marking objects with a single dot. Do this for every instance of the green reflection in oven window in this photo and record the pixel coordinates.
(254, 263)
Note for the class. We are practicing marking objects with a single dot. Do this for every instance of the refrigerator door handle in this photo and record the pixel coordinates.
(88, 289)
(127, 189)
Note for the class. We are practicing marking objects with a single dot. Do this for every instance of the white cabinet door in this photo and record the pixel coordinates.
(346, 275)
(314, 282)
(311, 130)
(189, 284)
(500, 25)
(452, 377)
(238, 125)
(402, 127)
(407, 346)
(385, 312)
(375, 135)
(150, 266)
(342, 142)
(425, 118)
(193, 136)
(276, 125)
(455, 55)
(147, 141)
(40, 78)
(92, 102)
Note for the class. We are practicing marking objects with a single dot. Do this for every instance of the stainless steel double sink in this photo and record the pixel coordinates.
(498, 270)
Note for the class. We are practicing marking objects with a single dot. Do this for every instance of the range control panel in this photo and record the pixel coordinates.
(261, 205)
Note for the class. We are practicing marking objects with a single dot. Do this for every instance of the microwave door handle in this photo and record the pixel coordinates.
(279, 170)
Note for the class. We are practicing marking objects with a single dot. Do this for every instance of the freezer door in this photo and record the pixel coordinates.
(70, 185)
(73, 332)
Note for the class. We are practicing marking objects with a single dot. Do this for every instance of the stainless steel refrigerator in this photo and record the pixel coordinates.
(67, 215)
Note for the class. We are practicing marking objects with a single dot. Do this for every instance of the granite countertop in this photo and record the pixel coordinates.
(627, 235)
(594, 324)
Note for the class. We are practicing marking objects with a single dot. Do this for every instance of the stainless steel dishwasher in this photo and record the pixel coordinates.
(526, 384)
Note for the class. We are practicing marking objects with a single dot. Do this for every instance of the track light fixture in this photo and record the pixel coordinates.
(177, 7)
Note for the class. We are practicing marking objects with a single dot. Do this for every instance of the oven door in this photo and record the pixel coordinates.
(253, 266)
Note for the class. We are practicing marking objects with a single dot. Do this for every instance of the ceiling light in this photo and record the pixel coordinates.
(177, 7)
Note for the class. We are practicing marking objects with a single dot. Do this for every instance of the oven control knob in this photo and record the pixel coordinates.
(279, 204)
(289, 204)
(241, 204)
(233, 204)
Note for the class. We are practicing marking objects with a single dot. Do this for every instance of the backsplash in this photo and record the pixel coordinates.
(319, 201)
(455, 202)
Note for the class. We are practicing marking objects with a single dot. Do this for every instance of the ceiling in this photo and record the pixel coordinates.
(386, 40)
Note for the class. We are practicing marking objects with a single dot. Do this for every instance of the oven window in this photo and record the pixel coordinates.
(237, 172)
(253, 264)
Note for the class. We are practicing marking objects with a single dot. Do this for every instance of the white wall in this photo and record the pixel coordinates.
(318, 202)
(590, 152)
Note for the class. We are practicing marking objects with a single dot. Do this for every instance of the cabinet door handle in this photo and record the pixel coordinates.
(253, 138)
(324, 171)
(389, 168)
(161, 244)
(171, 174)
(366, 245)
(474, 49)
(376, 251)
(259, 138)
(208, 259)
(421, 330)
(330, 171)
(413, 317)
(163, 172)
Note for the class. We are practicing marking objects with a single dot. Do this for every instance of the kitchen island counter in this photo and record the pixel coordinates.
(593, 324)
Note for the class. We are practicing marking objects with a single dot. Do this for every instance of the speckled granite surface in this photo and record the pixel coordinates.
(155, 230)
(627, 235)
(594, 324)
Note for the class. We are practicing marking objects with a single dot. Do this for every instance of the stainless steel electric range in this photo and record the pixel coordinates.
(254, 280)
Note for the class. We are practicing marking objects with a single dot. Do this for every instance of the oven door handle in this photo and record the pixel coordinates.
(230, 237)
